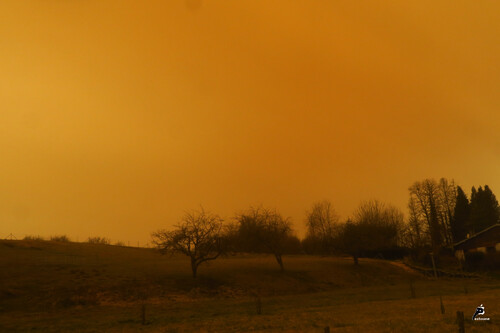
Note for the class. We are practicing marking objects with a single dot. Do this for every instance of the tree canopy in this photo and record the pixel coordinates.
(265, 230)
(375, 227)
(199, 236)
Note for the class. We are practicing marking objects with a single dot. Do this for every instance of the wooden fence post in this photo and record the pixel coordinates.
(259, 305)
(434, 265)
(460, 322)
(412, 289)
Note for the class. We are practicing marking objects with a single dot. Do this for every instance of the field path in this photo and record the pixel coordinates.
(406, 268)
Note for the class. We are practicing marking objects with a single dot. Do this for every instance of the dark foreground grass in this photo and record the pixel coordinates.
(61, 287)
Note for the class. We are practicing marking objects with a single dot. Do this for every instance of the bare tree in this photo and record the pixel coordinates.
(436, 202)
(322, 226)
(199, 235)
(265, 230)
(447, 198)
(376, 227)
(416, 232)
(426, 194)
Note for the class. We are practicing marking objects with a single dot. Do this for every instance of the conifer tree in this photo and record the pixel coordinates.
(460, 218)
(484, 209)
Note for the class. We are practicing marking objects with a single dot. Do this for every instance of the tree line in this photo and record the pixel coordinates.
(439, 215)
(202, 236)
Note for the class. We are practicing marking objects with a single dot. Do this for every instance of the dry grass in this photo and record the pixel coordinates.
(50, 286)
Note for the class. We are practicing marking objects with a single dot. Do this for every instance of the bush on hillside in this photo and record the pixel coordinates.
(33, 238)
(98, 240)
(59, 238)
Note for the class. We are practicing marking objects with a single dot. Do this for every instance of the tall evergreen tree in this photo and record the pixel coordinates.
(460, 218)
(491, 211)
(471, 228)
(484, 209)
(436, 235)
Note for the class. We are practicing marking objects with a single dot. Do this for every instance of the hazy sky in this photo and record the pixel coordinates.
(117, 116)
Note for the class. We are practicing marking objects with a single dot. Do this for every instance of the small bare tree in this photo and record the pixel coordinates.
(199, 236)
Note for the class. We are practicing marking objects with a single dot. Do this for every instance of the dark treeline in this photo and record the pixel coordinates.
(202, 236)
(262, 230)
(439, 215)
(375, 229)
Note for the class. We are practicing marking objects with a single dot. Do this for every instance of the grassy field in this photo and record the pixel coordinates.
(62, 287)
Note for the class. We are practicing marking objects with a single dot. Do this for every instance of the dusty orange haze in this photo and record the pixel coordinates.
(116, 116)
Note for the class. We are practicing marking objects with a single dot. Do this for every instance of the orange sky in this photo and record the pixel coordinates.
(116, 116)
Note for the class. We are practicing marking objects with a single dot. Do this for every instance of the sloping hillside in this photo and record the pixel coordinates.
(62, 287)
(62, 274)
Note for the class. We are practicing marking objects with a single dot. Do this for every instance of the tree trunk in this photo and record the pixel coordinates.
(194, 267)
(280, 261)
(355, 257)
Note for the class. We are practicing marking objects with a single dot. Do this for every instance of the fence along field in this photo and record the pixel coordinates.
(63, 286)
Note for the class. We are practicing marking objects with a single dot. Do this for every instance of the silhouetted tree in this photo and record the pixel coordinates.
(375, 227)
(424, 193)
(435, 201)
(446, 200)
(199, 236)
(322, 224)
(484, 210)
(460, 218)
(352, 238)
(264, 230)
(415, 233)
(473, 202)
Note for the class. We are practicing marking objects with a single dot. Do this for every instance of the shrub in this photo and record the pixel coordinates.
(59, 238)
(120, 243)
(313, 245)
(420, 256)
(33, 238)
(98, 240)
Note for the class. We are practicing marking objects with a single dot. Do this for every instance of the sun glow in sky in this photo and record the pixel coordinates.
(117, 116)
